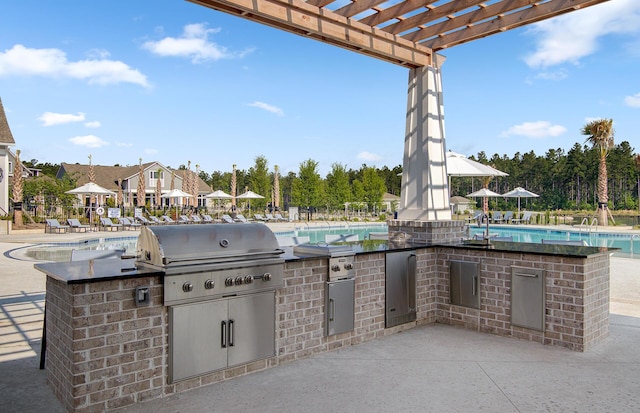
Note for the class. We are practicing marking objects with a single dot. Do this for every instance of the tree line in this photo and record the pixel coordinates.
(566, 180)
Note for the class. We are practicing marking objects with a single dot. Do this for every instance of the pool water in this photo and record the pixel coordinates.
(61, 252)
(318, 234)
(628, 243)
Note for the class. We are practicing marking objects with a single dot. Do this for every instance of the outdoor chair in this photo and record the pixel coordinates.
(183, 219)
(526, 218)
(227, 219)
(76, 226)
(496, 218)
(475, 217)
(107, 223)
(207, 219)
(260, 217)
(156, 220)
(196, 219)
(279, 217)
(54, 225)
(128, 223)
(241, 218)
(508, 216)
(270, 217)
(144, 221)
(167, 219)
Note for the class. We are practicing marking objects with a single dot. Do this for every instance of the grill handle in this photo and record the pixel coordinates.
(221, 258)
(223, 330)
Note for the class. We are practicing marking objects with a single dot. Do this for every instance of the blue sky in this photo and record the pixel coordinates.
(171, 81)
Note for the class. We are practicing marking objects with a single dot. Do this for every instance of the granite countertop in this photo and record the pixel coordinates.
(76, 272)
(531, 248)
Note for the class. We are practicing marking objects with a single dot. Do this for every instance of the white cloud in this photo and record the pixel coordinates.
(50, 118)
(124, 144)
(93, 124)
(23, 61)
(537, 130)
(90, 141)
(268, 108)
(633, 101)
(194, 44)
(572, 36)
(369, 157)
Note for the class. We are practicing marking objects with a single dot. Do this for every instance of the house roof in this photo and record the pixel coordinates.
(5, 132)
(107, 176)
(460, 200)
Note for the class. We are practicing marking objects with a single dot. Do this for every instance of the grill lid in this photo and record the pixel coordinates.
(180, 245)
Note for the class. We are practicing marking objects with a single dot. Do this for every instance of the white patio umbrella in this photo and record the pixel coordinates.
(520, 193)
(91, 189)
(460, 165)
(218, 195)
(484, 193)
(176, 194)
(249, 195)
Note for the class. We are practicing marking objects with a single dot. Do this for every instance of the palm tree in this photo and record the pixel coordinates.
(600, 135)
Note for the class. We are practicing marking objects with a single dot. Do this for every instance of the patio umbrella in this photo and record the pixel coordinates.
(218, 195)
(460, 165)
(91, 189)
(520, 193)
(484, 193)
(249, 195)
(176, 194)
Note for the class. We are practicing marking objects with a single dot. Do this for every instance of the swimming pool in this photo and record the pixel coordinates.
(318, 234)
(629, 244)
(61, 252)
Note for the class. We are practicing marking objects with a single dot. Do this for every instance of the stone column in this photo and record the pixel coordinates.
(425, 189)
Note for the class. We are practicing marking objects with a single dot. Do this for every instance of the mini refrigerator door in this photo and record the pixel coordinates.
(400, 288)
(339, 308)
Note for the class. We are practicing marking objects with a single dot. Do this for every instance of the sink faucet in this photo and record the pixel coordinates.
(486, 233)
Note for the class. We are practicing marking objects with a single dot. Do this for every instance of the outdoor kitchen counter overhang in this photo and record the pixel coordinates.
(112, 269)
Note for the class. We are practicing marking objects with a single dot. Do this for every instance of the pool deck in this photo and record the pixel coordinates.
(435, 368)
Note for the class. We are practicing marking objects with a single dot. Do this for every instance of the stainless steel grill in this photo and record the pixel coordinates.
(212, 260)
(219, 287)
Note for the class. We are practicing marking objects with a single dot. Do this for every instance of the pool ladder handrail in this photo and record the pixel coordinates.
(589, 227)
(631, 243)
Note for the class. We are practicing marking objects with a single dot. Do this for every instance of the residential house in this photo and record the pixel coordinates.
(6, 140)
(109, 176)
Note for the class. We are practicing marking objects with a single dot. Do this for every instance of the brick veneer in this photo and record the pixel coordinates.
(105, 353)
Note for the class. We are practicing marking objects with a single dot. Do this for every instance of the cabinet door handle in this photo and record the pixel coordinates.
(223, 328)
(411, 280)
(230, 333)
(331, 308)
(475, 285)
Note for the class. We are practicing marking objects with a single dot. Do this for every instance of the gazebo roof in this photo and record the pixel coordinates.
(5, 132)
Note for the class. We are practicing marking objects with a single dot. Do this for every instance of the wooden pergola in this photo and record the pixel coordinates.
(407, 33)
(404, 32)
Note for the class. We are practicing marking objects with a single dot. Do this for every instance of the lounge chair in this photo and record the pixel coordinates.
(279, 217)
(128, 223)
(54, 225)
(270, 217)
(526, 218)
(156, 220)
(144, 221)
(196, 219)
(107, 223)
(76, 226)
(240, 218)
(227, 219)
(183, 219)
(167, 219)
(475, 217)
(496, 218)
(508, 216)
(260, 217)
(207, 219)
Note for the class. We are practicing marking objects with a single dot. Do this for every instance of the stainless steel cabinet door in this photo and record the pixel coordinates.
(400, 288)
(252, 326)
(195, 339)
(339, 306)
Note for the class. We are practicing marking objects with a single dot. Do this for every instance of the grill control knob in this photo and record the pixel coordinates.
(266, 276)
(239, 280)
(228, 282)
(187, 287)
(248, 279)
(209, 284)
(348, 266)
(335, 268)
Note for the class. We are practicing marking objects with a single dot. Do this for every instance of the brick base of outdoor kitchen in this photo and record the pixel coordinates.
(103, 352)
